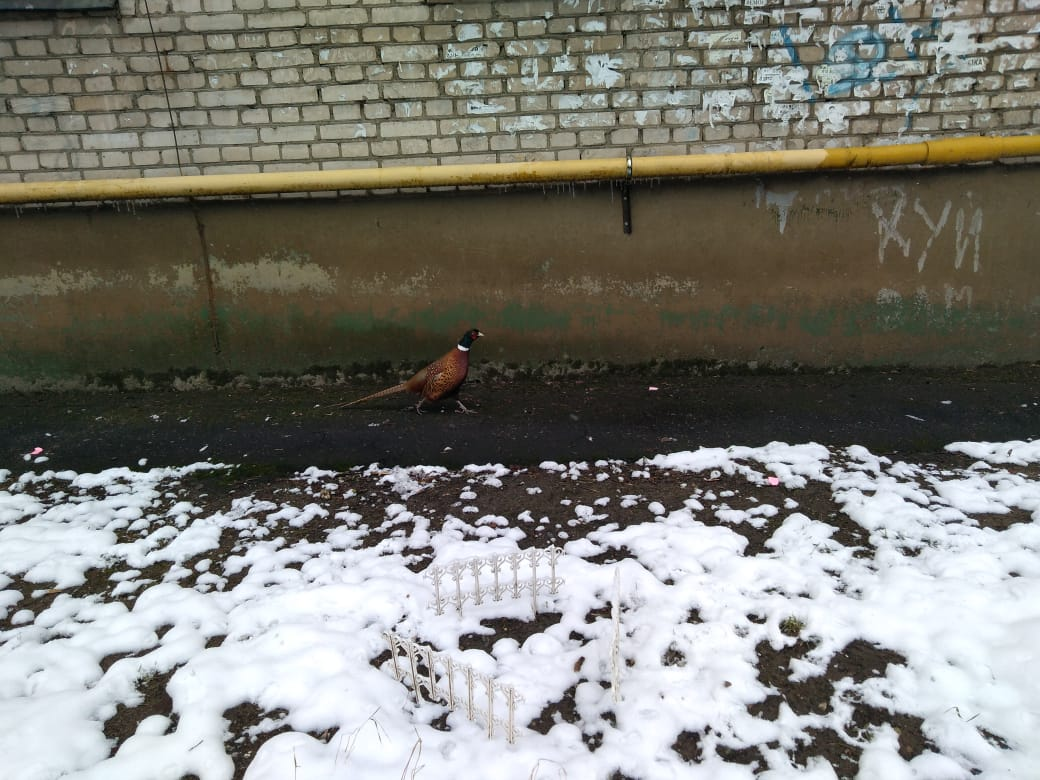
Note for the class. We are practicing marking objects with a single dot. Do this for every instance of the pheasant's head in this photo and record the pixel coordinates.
(469, 337)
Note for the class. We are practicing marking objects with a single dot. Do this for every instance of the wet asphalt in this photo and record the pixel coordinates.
(520, 422)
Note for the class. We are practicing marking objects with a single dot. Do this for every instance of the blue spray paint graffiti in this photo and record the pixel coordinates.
(860, 57)
(853, 60)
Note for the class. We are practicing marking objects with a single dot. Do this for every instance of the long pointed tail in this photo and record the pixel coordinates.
(389, 391)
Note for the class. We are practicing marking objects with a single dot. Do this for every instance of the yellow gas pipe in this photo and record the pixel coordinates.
(950, 151)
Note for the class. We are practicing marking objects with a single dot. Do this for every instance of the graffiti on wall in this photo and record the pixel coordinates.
(908, 55)
(862, 57)
(897, 219)
(910, 228)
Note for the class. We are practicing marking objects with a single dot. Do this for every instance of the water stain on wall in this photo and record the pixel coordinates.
(57, 282)
(408, 285)
(647, 289)
(285, 273)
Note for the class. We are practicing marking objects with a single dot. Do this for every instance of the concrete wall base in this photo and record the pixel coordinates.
(922, 267)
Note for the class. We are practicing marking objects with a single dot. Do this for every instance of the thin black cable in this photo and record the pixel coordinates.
(166, 91)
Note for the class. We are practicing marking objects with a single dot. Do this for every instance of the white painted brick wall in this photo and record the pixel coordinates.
(263, 85)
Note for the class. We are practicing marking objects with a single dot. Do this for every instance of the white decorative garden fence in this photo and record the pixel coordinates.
(474, 580)
(445, 681)
(615, 644)
(435, 676)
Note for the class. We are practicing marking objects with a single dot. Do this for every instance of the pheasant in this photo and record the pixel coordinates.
(441, 379)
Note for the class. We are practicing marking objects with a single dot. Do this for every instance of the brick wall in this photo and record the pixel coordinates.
(220, 86)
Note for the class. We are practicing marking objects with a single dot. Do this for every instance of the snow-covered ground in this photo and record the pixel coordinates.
(282, 601)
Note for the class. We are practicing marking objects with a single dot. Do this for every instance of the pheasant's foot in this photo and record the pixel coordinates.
(463, 409)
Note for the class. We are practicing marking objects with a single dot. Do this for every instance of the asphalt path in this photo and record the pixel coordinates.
(520, 422)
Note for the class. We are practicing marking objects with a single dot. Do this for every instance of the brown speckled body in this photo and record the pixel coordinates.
(440, 379)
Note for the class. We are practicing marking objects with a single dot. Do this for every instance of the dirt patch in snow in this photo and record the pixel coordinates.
(552, 505)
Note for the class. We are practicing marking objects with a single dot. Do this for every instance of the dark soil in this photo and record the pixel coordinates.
(624, 413)
(274, 432)
(533, 498)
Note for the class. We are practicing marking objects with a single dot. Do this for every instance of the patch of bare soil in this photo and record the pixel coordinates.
(551, 508)
(154, 701)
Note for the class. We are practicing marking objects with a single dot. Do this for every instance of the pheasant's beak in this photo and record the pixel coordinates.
(479, 334)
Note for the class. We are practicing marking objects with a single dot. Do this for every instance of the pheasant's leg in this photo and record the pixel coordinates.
(418, 406)
(463, 409)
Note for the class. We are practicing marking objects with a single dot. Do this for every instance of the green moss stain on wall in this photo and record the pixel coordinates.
(916, 316)
(913, 317)
(527, 317)
(346, 322)
(112, 341)
(517, 318)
